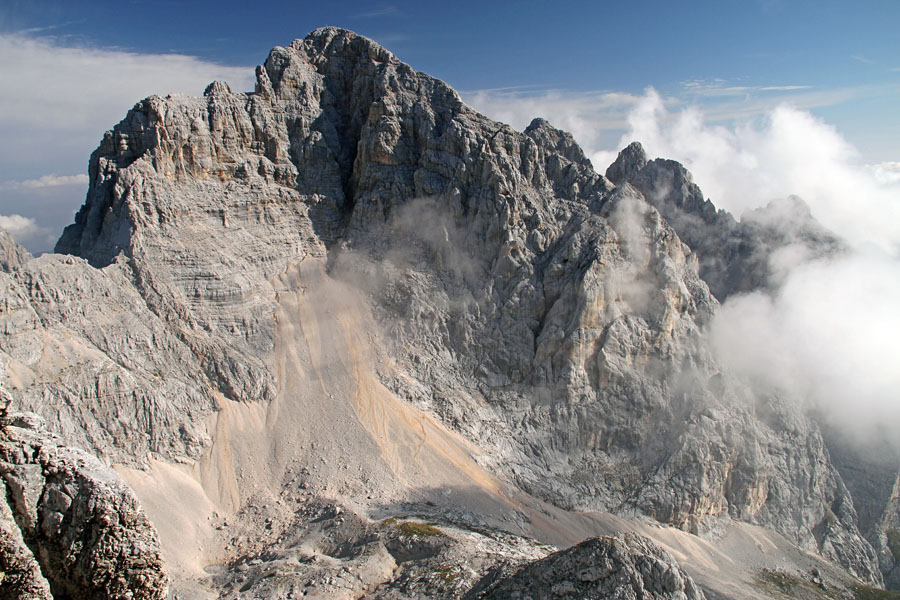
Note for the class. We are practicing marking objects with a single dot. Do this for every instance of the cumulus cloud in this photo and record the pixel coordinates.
(787, 151)
(886, 173)
(827, 335)
(20, 227)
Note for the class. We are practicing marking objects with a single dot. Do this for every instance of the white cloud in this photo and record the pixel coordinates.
(787, 151)
(886, 173)
(46, 181)
(829, 334)
(19, 226)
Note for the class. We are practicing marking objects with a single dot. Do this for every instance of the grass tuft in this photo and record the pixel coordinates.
(412, 528)
(893, 539)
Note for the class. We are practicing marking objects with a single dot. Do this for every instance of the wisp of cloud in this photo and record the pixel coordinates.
(828, 333)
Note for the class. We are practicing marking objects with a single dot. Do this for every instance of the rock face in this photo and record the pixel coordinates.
(734, 256)
(614, 568)
(12, 255)
(70, 526)
(538, 325)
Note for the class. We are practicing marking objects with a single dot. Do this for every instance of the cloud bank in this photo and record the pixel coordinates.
(828, 334)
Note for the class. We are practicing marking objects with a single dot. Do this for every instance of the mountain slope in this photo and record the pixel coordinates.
(348, 286)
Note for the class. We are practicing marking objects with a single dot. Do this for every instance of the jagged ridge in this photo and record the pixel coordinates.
(546, 314)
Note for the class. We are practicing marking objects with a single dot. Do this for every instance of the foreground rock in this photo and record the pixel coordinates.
(614, 568)
(69, 525)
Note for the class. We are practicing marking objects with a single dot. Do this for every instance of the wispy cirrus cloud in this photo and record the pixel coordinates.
(721, 87)
(383, 11)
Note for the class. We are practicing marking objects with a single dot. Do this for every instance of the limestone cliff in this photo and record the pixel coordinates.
(350, 280)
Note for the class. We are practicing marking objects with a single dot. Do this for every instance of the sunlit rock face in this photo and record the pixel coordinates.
(348, 278)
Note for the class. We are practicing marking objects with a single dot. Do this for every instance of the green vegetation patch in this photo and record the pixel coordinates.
(782, 584)
(893, 539)
(412, 528)
(789, 585)
(448, 575)
(864, 592)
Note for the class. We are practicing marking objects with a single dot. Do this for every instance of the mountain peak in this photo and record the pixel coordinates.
(351, 253)
(334, 41)
(630, 160)
(557, 139)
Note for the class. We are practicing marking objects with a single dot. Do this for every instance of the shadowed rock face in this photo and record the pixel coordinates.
(612, 568)
(68, 525)
(544, 314)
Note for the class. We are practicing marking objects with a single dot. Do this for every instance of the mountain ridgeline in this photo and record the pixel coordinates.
(296, 318)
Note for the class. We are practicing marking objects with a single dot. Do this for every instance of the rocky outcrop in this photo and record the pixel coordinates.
(734, 256)
(22, 576)
(12, 255)
(551, 317)
(69, 524)
(621, 567)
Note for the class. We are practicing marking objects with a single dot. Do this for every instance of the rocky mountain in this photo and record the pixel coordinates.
(734, 256)
(298, 319)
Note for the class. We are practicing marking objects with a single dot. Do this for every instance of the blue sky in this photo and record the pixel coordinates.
(587, 66)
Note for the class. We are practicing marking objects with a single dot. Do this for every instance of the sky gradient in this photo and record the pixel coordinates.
(72, 70)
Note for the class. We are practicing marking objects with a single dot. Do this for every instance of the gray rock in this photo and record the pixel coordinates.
(628, 164)
(22, 576)
(12, 255)
(614, 568)
(69, 525)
